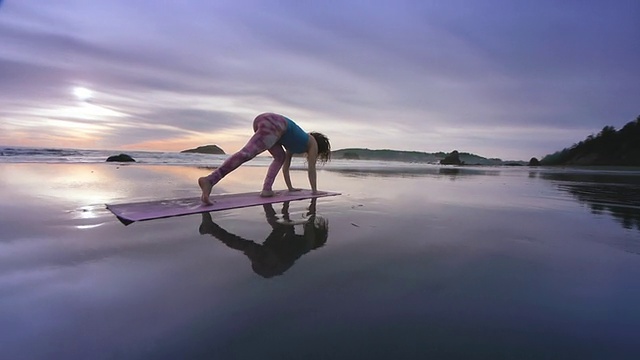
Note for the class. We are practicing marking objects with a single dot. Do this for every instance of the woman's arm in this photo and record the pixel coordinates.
(285, 170)
(312, 157)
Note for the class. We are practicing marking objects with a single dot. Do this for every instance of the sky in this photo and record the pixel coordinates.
(512, 79)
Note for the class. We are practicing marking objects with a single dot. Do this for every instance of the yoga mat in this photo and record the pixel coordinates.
(149, 210)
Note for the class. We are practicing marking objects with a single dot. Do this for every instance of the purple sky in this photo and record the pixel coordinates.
(510, 79)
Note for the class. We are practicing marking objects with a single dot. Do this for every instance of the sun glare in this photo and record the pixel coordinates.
(82, 93)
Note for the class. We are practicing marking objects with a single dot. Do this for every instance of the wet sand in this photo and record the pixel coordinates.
(500, 263)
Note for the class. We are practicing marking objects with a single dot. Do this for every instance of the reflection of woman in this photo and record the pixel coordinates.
(281, 248)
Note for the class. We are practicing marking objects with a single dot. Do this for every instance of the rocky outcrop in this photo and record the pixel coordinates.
(206, 149)
(120, 158)
(452, 159)
(534, 162)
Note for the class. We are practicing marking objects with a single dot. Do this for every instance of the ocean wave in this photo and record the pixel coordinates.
(14, 151)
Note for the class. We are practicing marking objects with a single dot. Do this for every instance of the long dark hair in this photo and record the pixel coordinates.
(324, 146)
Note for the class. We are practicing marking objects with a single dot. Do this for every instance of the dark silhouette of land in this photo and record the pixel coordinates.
(609, 147)
(414, 156)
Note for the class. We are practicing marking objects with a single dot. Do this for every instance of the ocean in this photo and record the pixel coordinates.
(68, 156)
(412, 261)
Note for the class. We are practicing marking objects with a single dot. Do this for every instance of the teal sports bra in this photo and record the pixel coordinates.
(294, 139)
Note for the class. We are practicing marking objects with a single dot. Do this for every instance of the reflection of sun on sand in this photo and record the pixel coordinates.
(81, 183)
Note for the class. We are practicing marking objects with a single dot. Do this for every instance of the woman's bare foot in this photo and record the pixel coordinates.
(267, 193)
(206, 187)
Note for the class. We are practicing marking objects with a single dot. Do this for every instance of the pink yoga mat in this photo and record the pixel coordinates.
(148, 210)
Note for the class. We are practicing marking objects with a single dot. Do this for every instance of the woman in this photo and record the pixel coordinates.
(282, 138)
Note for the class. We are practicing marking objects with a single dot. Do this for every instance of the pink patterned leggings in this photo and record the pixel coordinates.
(268, 128)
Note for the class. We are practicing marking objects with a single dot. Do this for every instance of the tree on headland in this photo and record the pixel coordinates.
(608, 147)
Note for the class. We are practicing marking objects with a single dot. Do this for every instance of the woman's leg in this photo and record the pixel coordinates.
(278, 159)
(268, 129)
(267, 133)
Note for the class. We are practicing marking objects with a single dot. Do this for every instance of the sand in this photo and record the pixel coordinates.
(440, 263)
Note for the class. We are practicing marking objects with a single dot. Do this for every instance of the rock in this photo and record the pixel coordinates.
(120, 158)
(452, 159)
(534, 162)
(206, 149)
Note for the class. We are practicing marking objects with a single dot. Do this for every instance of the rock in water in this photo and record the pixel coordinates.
(452, 159)
(534, 162)
(120, 158)
(206, 149)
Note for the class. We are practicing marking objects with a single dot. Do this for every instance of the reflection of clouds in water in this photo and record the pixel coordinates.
(617, 194)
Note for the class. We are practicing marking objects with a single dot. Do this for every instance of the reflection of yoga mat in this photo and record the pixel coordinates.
(148, 210)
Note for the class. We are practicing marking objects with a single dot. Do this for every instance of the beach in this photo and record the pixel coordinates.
(418, 262)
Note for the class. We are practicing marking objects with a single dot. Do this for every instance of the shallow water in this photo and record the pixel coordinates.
(430, 262)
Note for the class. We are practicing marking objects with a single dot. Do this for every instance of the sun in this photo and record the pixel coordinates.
(82, 93)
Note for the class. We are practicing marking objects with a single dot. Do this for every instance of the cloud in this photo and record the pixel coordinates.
(356, 70)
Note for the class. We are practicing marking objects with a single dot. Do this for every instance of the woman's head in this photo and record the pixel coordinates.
(316, 231)
(324, 146)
